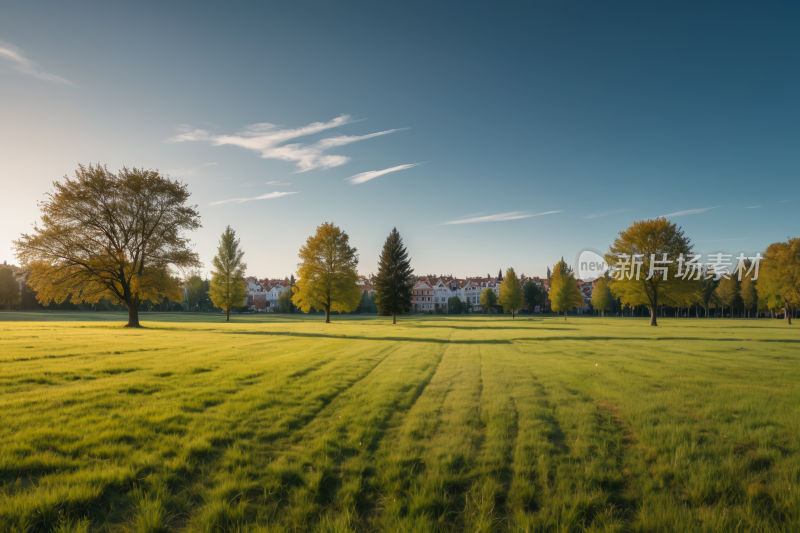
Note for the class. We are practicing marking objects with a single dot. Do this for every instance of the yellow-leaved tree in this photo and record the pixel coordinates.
(511, 297)
(564, 292)
(655, 246)
(115, 236)
(227, 279)
(327, 272)
(779, 281)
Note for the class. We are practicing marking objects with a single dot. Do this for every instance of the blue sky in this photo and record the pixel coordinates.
(542, 129)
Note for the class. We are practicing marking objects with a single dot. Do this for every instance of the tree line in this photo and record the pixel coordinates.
(115, 237)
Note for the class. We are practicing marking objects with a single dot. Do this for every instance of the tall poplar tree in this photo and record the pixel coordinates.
(227, 281)
(395, 278)
(564, 291)
(511, 297)
(327, 271)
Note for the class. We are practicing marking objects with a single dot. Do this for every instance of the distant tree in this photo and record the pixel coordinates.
(285, 301)
(779, 279)
(500, 275)
(227, 280)
(564, 291)
(196, 290)
(9, 287)
(455, 305)
(704, 289)
(327, 272)
(727, 293)
(533, 295)
(652, 240)
(602, 300)
(511, 296)
(395, 278)
(110, 235)
(749, 294)
(488, 300)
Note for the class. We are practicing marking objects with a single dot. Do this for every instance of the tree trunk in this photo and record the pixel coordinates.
(133, 316)
(512, 315)
(653, 319)
(327, 315)
(228, 317)
(394, 318)
(788, 314)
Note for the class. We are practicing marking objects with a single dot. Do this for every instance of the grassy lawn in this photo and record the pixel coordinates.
(283, 423)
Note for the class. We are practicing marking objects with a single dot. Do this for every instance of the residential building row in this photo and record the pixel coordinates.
(429, 294)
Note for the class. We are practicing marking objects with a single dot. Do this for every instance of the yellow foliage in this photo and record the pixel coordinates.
(327, 272)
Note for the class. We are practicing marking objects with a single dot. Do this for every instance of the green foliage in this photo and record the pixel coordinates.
(9, 287)
(511, 297)
(564, 291)
(114, 236)
(727, 293)
(227, 289)
(395, 278)
(749, 293)
(197, 290)
(602, 300)
(653, 240)
(285, 301)
(327, 271)
(779, 280)
(488, 299)
(533, 295)
(456, 306)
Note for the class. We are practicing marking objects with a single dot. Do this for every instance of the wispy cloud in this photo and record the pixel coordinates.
(267, 196)
(277, 183)
(270, 141)
(786, 201)
(209, 164)
(752, 207)
(598, 215)
(372, 174)
(689, 212)
(16, 57)
(514, 215)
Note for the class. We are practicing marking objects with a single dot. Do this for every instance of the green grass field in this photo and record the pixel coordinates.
(284, 423)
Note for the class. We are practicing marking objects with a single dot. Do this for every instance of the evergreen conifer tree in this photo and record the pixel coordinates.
(395, 278)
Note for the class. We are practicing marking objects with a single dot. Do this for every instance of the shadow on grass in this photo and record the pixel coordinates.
(631, 338)
(363, 338)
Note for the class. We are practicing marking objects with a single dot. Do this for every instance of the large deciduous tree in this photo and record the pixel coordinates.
(779, 279)
(602, 300)
(110, 235)
(511, 297)
(658, 244)
(227, 280)
(327, 271)
(395, 278)
(564, 291)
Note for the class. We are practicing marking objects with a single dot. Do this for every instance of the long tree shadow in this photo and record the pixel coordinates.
(363, 338)
(521, 328)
